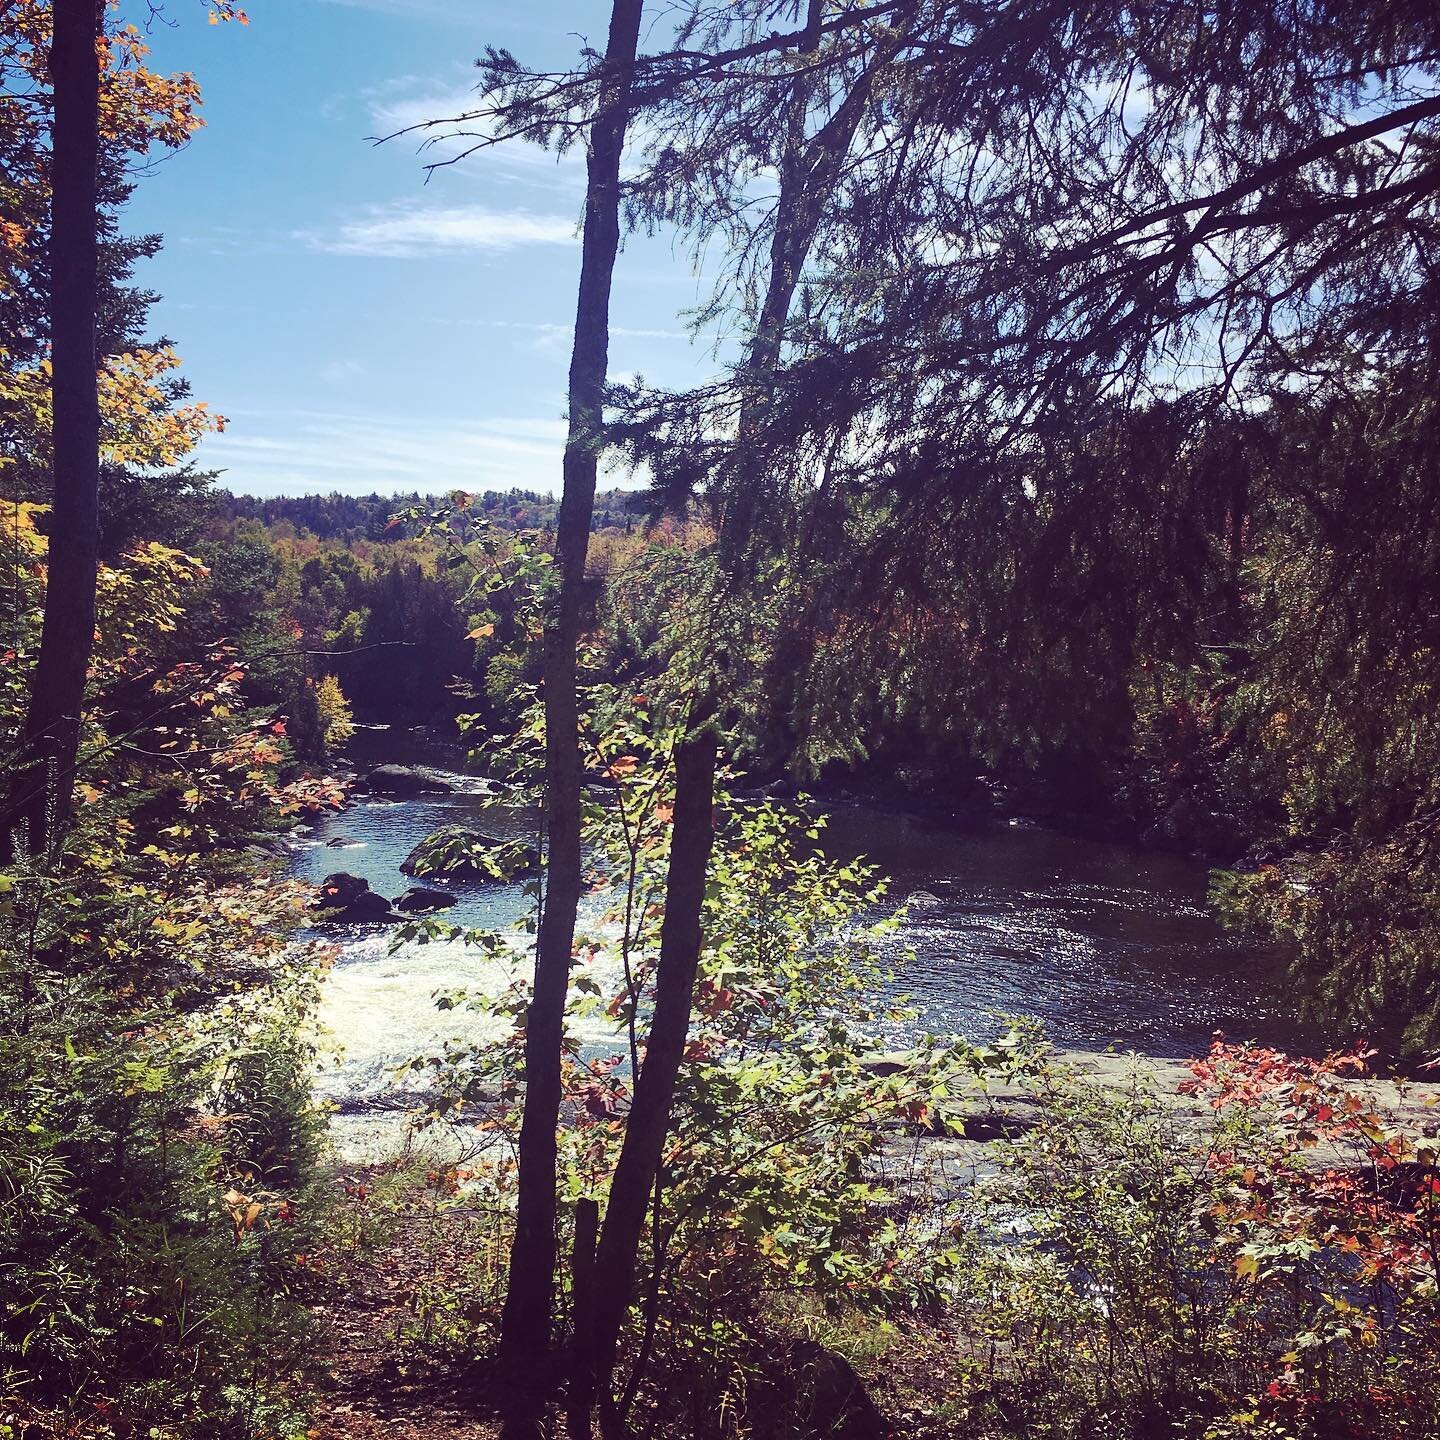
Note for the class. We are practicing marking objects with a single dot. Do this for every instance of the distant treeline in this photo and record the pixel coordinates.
(348, 518)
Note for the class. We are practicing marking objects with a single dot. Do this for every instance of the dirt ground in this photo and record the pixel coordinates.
(378, 1374)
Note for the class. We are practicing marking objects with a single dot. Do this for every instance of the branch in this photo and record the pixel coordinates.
(1263, 175)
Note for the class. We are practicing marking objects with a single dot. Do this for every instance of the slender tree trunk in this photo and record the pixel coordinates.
(809, 171)
(808, 174)
(582, 1292)
(525, 1325)
(789, 245)
(649, 1118)
(42, 787)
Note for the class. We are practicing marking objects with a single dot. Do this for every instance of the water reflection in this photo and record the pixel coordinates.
(1106, 944)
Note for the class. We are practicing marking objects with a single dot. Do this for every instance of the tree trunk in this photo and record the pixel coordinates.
(809, 170)
(582, 1295)
(41, 789)
(525, 1325)
(649, 1118)
(808, 174)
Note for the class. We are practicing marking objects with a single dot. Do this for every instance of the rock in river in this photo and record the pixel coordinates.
(352, 900)
(419, 898)
(466, 854)
(404, 780)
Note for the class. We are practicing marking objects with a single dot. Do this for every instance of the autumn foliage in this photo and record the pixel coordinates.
(146, 421)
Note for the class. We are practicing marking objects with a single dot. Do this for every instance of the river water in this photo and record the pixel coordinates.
(1108, 945)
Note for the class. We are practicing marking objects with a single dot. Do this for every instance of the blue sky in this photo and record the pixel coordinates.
(361, 329)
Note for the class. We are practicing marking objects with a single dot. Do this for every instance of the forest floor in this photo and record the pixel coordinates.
(392, 1363)
(399, 1274)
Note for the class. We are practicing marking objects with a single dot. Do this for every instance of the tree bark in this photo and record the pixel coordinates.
(582, 1293)
(808, 173)
(525, 1324)
(649, 1118)
(42, 787)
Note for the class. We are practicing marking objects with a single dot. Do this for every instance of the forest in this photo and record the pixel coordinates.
(1061, 496)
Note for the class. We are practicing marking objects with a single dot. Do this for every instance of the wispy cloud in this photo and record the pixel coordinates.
(431, 115)
(410, 229)
(553, 338)
(310, 451)
(428, 116)
(408, 103)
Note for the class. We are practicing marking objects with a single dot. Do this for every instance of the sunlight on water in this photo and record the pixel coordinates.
(1105, 944)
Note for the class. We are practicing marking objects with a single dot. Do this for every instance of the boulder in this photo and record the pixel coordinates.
(419, 898)
(349, 900)
(341, 888)
(1008, 1123)
(893, 1062)
(365, 908)
(404, 780)
(460, 852)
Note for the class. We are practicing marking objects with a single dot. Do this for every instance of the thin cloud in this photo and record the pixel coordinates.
(392, 110)
(407, 230)
(430, 114)
(316, 451)
(555, 327)
(427, 117)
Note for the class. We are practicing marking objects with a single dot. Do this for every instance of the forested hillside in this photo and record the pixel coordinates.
(351, 518)
(1062, 492)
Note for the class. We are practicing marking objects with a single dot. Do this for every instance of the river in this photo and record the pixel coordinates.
(1107, 945)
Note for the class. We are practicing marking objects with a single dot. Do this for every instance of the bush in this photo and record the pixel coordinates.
(1270, 1273)
(157, 1141)
(152, 1237)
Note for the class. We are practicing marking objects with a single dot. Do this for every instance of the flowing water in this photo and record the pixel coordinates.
(1108, 945)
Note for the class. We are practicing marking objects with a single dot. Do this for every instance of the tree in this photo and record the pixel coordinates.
(654, 1087)
(809, 165)
(1077, 439)
(40, 795)
(64, 298)
(712, 135)
(526, 1324)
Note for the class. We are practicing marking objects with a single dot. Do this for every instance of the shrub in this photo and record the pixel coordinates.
(1268, 1273)
(152, 1238)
